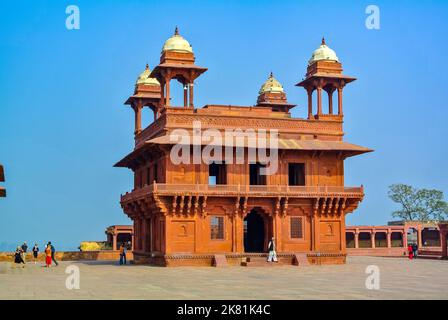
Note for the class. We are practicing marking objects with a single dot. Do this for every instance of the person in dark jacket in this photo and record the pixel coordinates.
(35, 253)
(415, 249)
(18, 257)
(24, 249)
(53, 251)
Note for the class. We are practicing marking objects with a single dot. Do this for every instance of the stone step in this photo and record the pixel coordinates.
(429, 256)
(259, 262)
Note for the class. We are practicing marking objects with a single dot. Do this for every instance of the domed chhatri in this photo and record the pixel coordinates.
(144, 78)
(177, 43)
(324, 52)
(271, 85)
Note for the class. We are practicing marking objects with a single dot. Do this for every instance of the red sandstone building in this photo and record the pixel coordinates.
(199, 213)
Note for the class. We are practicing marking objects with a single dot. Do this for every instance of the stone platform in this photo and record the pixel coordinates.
(399, 279)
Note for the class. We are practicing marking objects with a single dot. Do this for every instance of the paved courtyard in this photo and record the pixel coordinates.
(399, 279)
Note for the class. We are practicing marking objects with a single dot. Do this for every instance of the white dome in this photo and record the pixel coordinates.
(177, 43)
(324, 52)
(271, 85)
(144, 78)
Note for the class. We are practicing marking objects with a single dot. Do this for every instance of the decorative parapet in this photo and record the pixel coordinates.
(321, 192)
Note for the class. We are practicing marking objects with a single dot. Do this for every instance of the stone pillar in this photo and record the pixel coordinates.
(419, 236)
(278, 232)
(319, 100)
(356, 239)
(404, 237)
(342, 235)
(132, 241)
(191, 95)
(167, 99)
(151, 235)
(316, 233)
(443, 230)
(138, 118)
(389, 242)
(310, 103)
(185, 95)
(372, 239)
(114, 241)
(162, 93)
(330, 100)
(340, 101)
(143, 235)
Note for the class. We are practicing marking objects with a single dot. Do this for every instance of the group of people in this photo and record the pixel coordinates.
(20, 254)
(412, 250)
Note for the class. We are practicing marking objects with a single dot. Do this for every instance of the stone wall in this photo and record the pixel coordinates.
(71, 256)
(378, 252)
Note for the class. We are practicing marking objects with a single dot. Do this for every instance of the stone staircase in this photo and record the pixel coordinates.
(259, 262)
(428, 254)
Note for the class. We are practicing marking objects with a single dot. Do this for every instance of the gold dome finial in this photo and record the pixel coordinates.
(271, 75)
(147, 67)
(176, 31)
(323, 41)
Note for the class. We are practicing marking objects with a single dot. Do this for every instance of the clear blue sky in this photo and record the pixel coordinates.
(63, 123)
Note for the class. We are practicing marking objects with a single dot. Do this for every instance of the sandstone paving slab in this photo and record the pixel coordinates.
(399, 279)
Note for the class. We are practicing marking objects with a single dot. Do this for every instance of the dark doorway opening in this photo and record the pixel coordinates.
(256, 177)
(124, 238)
(254, 232)
(296, 174)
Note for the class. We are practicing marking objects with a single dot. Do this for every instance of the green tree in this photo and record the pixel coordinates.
(418, 204)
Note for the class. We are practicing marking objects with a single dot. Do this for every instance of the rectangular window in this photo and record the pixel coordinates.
(296, 174)
(217, 174)
(217, 228)
(256, 178)
(296, 228)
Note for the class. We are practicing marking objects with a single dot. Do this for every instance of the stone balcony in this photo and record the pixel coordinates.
(270, 191)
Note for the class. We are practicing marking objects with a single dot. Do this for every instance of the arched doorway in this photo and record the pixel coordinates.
(254, 232)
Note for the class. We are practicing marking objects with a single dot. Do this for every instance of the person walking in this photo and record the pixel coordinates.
(53, 251)
(35, 253)
(122, 254)
(415, 249)
(18, 257)
(410, 252)
(48, 256)
(272, 257)
(24, 249)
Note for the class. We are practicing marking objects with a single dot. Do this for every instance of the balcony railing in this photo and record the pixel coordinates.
(249, 190)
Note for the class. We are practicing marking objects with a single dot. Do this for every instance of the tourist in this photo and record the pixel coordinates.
(48, 256)
(122, 254)
(410, 252)
(272, 253)
(35, 253)
(24, 249)
(53, 251)
(18, 257)
(414, 249)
